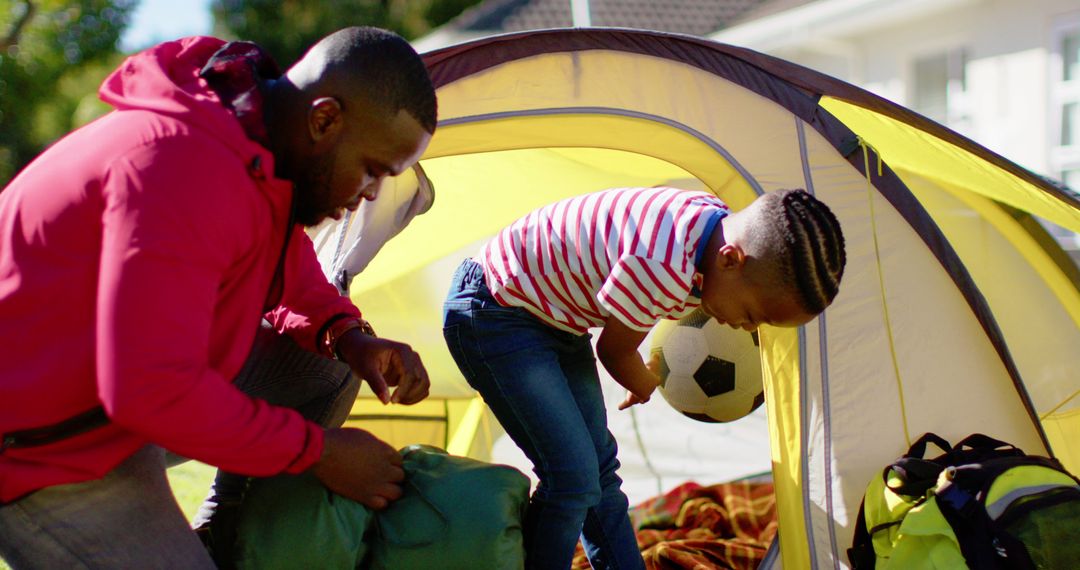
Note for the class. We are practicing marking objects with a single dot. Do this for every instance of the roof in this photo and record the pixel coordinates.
(694, 17)
(766, 8)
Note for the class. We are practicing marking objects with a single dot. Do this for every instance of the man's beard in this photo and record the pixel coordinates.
(309, 189)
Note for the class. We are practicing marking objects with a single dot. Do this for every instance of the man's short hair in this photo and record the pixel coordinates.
(382, 67)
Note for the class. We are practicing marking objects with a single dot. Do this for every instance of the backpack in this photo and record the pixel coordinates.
(983, 504)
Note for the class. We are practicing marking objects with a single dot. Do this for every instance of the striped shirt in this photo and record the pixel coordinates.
(627, 252)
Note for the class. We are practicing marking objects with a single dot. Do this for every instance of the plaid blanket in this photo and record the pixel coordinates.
(725, 526)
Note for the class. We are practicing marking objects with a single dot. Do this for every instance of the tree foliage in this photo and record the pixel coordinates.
(52, 53)
(286, 28)
(55, 53)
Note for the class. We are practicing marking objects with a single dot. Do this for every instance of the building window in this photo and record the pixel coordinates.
(1071, 178)
(1065, 115)
(1064, 91)
(1070, 123)
(1070, 55)
(939, 85)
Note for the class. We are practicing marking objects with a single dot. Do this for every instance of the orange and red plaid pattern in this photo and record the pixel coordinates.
(725, 526)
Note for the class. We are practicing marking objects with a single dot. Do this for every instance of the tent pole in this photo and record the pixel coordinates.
(581, 13)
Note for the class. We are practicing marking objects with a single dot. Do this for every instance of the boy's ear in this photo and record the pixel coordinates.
(730, 256)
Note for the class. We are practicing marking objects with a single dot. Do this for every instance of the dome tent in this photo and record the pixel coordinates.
(957, 312)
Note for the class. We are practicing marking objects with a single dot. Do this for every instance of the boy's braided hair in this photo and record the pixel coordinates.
(808, 243)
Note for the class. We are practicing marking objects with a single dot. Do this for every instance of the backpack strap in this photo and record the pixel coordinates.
(918, 449)
(861, 554)
(980, 445)
(915, 473)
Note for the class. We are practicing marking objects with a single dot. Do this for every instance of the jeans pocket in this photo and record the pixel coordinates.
(452, 335)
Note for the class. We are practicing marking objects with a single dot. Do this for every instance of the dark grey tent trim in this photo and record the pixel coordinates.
(794, 87)
(741, 65)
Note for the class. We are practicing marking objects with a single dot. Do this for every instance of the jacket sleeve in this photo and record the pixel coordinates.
(308, 299)
(173, 225)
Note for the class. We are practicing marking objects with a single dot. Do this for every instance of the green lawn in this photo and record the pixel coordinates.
(190, 482)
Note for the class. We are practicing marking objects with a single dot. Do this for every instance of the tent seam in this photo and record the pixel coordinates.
(739, 168)
(823, 357)
(804, 446)
(866, 148)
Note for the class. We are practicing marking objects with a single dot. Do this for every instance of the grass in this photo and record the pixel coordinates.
(190, 482)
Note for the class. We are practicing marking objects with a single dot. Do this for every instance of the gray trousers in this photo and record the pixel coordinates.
(129, 518)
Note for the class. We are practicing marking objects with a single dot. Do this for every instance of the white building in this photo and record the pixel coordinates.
(1005, 73)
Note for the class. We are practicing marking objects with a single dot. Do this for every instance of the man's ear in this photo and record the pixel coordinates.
(324, 120)
(730, 256)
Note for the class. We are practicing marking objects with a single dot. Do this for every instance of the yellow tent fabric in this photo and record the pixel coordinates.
(957, 314)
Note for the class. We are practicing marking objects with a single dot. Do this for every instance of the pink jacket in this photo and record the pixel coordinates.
(136, 255)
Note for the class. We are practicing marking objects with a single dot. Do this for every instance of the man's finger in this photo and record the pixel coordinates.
(394, 371)
(375, 379)
(414, 384)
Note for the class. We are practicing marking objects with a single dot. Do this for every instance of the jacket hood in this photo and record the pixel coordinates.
(165, 79)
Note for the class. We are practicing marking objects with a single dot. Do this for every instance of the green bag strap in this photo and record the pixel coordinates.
(861, 554)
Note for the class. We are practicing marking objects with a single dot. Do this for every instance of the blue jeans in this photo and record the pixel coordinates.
(129, 518)
(542, 385)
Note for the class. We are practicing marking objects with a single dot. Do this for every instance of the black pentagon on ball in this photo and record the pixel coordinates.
(701, 418)
(715, 376)
(697, 319)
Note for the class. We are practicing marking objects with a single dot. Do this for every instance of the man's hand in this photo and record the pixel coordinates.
(359, 466)
(384, 363)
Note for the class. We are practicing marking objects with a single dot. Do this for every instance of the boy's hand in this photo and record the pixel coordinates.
(617, 350)
(632, 399)
(653, 365)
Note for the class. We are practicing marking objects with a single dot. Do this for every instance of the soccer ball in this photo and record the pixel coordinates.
(708, 371)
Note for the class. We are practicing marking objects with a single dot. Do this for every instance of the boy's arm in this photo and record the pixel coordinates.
(617, 350)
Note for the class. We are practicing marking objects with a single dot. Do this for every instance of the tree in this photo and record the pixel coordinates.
(52, 53)
(286, 28)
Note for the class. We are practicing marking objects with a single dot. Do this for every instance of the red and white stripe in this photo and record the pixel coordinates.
(625, 251)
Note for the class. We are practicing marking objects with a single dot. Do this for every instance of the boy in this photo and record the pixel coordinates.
(517, 318)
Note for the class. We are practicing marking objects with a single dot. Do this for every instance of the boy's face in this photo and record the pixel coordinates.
(730, 297)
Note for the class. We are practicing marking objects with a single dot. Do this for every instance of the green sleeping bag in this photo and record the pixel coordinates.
(293, 522)
(455, 512)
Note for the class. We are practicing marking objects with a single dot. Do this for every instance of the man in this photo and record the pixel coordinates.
(346, 246)
(137, 257)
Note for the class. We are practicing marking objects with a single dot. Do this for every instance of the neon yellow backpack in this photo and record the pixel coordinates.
(983, 504)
